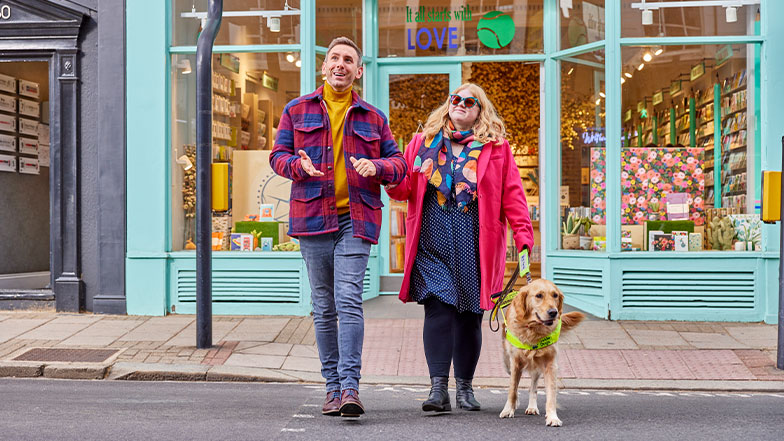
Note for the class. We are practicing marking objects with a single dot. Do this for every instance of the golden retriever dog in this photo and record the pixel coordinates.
(533, 315)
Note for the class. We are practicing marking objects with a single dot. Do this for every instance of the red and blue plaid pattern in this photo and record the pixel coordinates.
(304, 125)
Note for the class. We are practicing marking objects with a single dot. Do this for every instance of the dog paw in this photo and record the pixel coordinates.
(532, 411)
(508, 412)
(554, 422)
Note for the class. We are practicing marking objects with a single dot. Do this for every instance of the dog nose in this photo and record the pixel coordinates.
(552, 312)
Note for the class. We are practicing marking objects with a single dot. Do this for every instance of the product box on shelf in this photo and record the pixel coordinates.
(7, 123)
(243, 242)
(7, 83)
(7, 103)
(29, 166)
(29, 108)
(7, 143)
(7, 163)
(29, 88)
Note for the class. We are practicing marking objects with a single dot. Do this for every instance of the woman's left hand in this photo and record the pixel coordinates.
(364, 167)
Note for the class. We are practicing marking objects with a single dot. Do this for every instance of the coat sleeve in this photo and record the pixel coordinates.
(514, 203)
(402, 191)
(282, 159)
(391, 167)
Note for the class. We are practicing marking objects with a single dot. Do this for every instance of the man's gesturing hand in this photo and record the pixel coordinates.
(364, 167)
(307, 165)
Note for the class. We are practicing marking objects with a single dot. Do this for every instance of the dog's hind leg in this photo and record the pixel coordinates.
(514, 382)
(533, 408)
(551, 390)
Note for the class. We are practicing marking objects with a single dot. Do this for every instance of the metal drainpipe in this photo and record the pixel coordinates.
(204, 174)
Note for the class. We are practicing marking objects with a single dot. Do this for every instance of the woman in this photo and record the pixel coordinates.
(462, 187)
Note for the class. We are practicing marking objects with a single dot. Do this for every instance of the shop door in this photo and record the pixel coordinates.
(407, 95)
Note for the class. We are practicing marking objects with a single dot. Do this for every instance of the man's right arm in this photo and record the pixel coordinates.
(283, 160)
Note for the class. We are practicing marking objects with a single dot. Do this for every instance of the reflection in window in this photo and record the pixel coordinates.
(581, 22)
(473, 27)
(338, 18)
(582, 191)
(277, 23)
(687, 164)
(250, 91)
(691, 21)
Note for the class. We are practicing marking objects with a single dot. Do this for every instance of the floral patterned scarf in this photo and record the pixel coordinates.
(431, 160)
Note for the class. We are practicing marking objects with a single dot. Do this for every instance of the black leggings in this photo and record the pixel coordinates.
(449, 337)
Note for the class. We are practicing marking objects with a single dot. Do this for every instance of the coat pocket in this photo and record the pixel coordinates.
(368, 142)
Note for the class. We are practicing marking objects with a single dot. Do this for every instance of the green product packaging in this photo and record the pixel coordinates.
(267, 229)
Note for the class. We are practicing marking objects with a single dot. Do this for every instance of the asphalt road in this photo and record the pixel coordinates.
(123, 410)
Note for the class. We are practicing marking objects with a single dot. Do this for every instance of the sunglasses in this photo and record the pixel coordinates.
(469, 101)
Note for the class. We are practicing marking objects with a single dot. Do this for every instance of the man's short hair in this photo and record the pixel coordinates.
(348, 42)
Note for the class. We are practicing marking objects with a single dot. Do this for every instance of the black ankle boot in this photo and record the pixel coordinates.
(438, 400)
(465, 395)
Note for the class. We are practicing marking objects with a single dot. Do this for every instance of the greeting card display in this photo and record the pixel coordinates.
(663, 242)
(681, 239)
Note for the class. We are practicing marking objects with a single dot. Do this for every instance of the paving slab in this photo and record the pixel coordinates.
(307, 364)
(102, 333)
(760, 336)
(14, 327)
(304, 351)
(716, 365)
(598, 364)
(712, 340)
(21, 369)
(239, 373)
(156, 329)
(263, 348)
(657, 365)
(76, 371)
(251, 360)
(599, 342)
(263, 329)
(187, 337)
(657, 337)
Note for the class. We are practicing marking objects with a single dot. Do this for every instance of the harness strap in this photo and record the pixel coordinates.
(548, 340)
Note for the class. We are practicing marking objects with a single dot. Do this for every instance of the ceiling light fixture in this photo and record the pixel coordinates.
(641, 66)
(623, 80)
(598, 101)
(290, 57)
(273, 23)
(298, 63)
(601, 94)
(571, 69)
(658, 50)
(628, 74)
(647, 56)
(647, 17)
(731, 14)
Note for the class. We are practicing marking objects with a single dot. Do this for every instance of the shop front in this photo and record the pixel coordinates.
(686, 122)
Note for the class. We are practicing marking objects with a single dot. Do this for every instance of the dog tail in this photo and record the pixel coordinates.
(571, 319)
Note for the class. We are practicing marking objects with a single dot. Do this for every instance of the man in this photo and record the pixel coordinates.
(338, 150)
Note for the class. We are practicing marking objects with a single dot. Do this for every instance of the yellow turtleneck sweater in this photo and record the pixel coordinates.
(337, 106)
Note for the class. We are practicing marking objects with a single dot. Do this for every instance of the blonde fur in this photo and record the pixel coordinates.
(488, 127)
(524, 317)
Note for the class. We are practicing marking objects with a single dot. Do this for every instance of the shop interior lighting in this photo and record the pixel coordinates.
(647, 17)
(628, 74)
(623, 80)
(657, 50)
(290, 57)
(273, 17)
(641, 66)
(647, 56)
(601, 94)
(598, 101)
(730, 5)
(571, 69)
(731, 14)
(185, 66)
(298, 63)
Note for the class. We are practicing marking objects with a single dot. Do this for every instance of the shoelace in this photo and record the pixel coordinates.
(335, 394)
(351, 392)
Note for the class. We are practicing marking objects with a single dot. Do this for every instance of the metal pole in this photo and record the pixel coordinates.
(204, 174)
(780, 352)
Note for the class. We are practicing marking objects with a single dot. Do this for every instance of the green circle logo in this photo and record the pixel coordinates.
(495, 29)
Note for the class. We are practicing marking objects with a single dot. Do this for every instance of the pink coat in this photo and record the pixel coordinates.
(501, 199)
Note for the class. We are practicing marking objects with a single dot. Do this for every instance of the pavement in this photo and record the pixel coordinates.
(598, 354)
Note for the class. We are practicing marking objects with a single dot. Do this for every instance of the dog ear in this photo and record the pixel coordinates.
(560, 299)
(522, 301)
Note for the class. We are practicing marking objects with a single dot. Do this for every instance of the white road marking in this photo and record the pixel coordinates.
(302, 415)
(310, 405)
(286, 429)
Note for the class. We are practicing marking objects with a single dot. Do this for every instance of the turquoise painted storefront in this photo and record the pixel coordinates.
(620, 285)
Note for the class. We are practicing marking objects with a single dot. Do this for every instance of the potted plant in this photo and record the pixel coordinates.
(654, 211)
(585, 237)
(570, 238)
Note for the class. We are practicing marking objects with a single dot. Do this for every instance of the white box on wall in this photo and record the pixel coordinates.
(7, 83)
(28, 146)
(29, 108)
(7, 123)
(43, 155)
(29, 166)
(7, 163)
(43, 133)
(29, 88)
(7, 103)
(8, 143)
(28, 127)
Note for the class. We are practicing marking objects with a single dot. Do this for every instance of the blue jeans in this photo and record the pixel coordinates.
(336, 265)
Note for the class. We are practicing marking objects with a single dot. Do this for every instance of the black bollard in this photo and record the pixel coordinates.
(204, 174)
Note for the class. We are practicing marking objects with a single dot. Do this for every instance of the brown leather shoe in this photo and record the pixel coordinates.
(350, 406)
(332, 404)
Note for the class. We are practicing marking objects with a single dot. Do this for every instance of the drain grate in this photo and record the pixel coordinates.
(72, 355)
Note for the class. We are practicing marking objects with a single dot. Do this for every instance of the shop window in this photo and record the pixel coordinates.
(338, 18)
(513, 87)
(582, 199)
(688, 174)
(688, 21)
(277, 22)
(250, 91)
(473, 27)
(581, 22)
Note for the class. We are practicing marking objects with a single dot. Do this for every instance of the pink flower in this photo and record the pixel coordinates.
(651, 156)
(655, 180)
(697, 171)
(624, 175)
(638, 217)
(667, 156)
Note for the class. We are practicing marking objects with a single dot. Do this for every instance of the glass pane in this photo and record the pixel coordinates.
(519, 108)
(689, 148)
(338, 18)
(439, 27)
(690, 21)
(581, 22)
(411, 99)
(249, 94)
(583, 163)
(279, 25)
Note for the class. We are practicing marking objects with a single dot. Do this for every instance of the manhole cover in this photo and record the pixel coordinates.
(72, 355)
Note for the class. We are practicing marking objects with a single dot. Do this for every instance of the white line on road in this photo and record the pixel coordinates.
(286, 429)
(302, 415)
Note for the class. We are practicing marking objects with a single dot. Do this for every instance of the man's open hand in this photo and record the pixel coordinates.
(307, 165)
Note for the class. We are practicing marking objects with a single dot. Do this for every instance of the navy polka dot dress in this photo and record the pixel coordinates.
(447, 260)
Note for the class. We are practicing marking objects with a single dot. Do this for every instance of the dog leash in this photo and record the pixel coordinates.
(502, 299)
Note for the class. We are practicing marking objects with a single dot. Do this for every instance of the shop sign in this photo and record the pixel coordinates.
(628, 115)
(697, 71)
(494, 29)
(593, 138)
(230, 62)
(658, 97)
(675, 87)
(723, 54)
(640, 105)
(269, 81)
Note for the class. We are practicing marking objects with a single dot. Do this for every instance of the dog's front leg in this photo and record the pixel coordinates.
(533, 408)
(511, 400)
(551, 390)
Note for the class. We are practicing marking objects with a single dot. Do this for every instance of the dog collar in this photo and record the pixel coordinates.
(548, 340)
